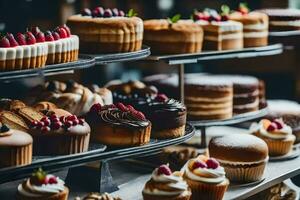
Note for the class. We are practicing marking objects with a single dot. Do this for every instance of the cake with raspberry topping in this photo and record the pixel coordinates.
(42, 186)
(219, 32)
(107, 30)
(166, 185)
(118, 125)
(206, 178)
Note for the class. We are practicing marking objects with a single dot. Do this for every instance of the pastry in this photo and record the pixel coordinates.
(118, 125)
(276, 134)
(56, 134)
(98, 196)
(177, 37)
(44, 105)
(11, 105)
(30, 114)
(206, 178)
(255, 26)
(167, 116)
(107, 31)
(15, 147)
(243, 156)
(283, 19)
(104, 93)
(208, 98)
(219, 32)
(13, 120)
(166, 185)
(42, 186)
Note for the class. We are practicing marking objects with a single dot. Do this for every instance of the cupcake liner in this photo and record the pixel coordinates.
(280, 147)
(14, 156)
(206, 191)
(244, 173)
(60, 196)
(168, 133)
(184, 196)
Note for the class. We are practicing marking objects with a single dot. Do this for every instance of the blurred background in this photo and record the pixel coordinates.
(281, 73)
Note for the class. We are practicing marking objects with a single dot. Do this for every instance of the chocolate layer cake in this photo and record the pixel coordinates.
(262, 94)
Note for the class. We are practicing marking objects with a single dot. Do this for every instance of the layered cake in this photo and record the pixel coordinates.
(118, 125)
(283, 19)
(35, 49)
(166, 185)
(168, 116)
(219, 32)
(173, 37)
(42, 186)
(107, 30)
(15, 147)
(208, 97)
(255, 26)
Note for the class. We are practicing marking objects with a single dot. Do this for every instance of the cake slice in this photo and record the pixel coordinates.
(13, 121)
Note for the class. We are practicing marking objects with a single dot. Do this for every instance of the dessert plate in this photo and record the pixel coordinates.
(294, 153)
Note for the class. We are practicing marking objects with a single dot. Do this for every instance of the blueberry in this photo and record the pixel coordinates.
(115, 12)
(4, 128)
(107, 13)
(86, 12)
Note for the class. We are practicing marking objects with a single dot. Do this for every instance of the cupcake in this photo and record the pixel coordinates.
(118, 125)
(15, 147)
(206, 178)
(276, 134)
(42, 186)
(166, 185)
(58, 134)
(243, 156)
(98, 196)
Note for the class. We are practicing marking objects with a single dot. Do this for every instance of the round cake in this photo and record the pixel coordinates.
(165, 37)
(107, 31)
(243, 156)
(118, 125)
(208, 97)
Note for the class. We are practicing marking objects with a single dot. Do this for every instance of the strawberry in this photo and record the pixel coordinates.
(12, 40)
(40, 37)
(21, 39)
(4, 42)
(67, 29)
(48, 36)
(30, 39)
(35, 30)
(139, 115)
(122, 107)
(55, 35)
(62, 32)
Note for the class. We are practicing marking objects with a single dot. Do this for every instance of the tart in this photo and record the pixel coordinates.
(58, 134)
(166, 37)
(206, 178)
(166, 185)
(42, 186)
(118, 125)
(230, 151)
(276, 134)
(107, 31)
(15, 147)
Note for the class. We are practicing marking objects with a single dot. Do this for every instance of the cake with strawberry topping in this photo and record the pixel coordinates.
(107, 30)
(206, 178)
(173, 36)
(59, 134)
(118, 125)
(278, 135)
(166, 185)
(42, 186)
(255, 26)
(220, 33)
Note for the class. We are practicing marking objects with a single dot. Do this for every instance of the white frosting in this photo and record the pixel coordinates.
(221, 37)
(249, 105)
(256, 34)
(63, 45)
(223, 26)
(285, 23)
(257, 26)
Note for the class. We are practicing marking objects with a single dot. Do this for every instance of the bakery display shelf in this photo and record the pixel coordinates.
(82, 63)
(269, 50)
(98, 153)
(102, 59)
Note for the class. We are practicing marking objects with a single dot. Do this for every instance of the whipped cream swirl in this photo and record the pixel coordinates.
(165, 185)
(206, 175)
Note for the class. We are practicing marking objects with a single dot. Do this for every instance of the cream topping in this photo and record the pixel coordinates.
(285, 23)
(256, 34)
(257, 26)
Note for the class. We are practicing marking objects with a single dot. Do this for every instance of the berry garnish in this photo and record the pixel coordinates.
(38, 177)
(21, 39)
(139, 115)
(81, 121)
(272, 127)
(96, 107)
(224, 18)
(40, 124)
(35, 30)
(212, 163)
(47, 122)
(40, 37)
(164, 169)
(56, 125)
(115, 12)
(55, 35)
(4, 42)
(131, 108)
(4, 128)
(12, 40)
(121, 13)
(30, 39)
(225, 11)
(62, 32)
(71, 118)
(122, 107)
(75, 122)
(45, 129)
(62, 119)
(86, 12)
(161, 98)
(199, 164)
(98, 12)
(107, 13)
(48, 36)
(278, 123)
(54, 116)
(34, 123)
(68, 124)
(67, 29)
(52, 180)
(243, 8)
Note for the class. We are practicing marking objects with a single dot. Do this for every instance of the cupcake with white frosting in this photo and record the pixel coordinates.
(42, 186)
(278, 135)
(206, 178)
(166, 185)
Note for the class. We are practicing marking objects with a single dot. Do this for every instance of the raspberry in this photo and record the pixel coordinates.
(212, 163)
(12, 40)
(40, 37)
(30, 39)
(96, 108)
(199, 164)
(21, 39)
(4, 42)
(164, 169)
(122, 107)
